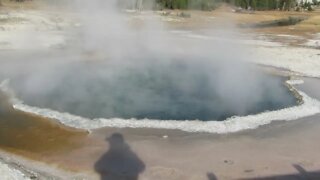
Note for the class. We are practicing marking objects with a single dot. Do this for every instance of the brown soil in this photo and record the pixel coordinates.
(36, 137)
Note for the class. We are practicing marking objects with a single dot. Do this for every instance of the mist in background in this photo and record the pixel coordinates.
(112, 66)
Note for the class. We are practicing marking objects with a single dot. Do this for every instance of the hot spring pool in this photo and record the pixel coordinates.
(164, 91)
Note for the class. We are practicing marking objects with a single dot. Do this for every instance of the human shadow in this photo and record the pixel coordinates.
(211, 176)
(120, 162)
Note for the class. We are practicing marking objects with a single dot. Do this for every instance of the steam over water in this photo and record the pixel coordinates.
(112, 65)
(175, 90)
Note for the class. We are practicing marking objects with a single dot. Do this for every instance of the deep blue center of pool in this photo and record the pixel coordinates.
(169, 91)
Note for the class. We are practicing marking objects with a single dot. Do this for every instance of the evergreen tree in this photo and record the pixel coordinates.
(253, 4)
(315, 2)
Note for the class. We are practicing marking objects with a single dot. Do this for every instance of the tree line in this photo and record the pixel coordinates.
(188, 4)
(275, 4)
(212, 4)
(245, 4)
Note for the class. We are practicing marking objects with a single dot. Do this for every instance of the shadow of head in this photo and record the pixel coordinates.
(115, 141)
(211, 176)
(119, 162)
